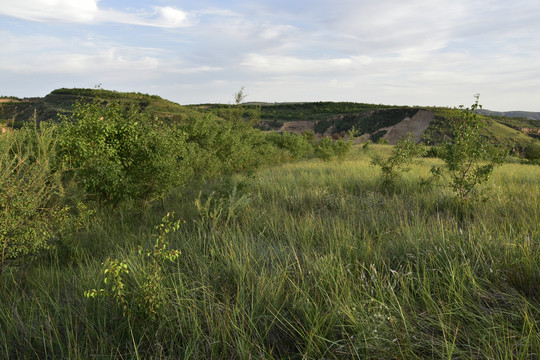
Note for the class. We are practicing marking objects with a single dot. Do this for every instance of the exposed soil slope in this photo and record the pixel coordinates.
(416, 125)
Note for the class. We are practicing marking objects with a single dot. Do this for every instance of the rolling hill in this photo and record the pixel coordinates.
(323, 118)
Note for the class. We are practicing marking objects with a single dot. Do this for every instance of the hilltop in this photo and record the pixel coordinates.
(61, 101)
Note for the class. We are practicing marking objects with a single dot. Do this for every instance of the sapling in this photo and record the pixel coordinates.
(398, 162)
(467, 163)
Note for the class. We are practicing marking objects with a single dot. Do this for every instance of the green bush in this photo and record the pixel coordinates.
(324, 149)
(118, 153)
(402, 156)
(29, 184)
(219, 146)
(143, 297)
(327, 149)
(532, 151)
(297, 146)
(469, 161)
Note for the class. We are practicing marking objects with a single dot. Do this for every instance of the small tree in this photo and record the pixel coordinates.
(398, 162)
(240, 96)
(467, 164)
(147, 294)
(29, 184)
(118, 152)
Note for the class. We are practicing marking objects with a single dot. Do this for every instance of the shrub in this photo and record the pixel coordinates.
(532, 151)
(463, 154)
(296, 145)
(118, 153)
(324, 149)
(219, 146)
(401, 157)
(327, 149)
(29, 184)
(383, 141)
(140, 299)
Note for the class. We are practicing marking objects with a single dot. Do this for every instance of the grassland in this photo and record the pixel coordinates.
(306, 260)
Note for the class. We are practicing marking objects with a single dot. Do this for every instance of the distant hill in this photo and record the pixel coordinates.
(323, 118)
(61, 102)
(529, 115)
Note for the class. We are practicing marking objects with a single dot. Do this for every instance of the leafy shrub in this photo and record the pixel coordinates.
(327, 149)
(324, 149)
(218, 146)
(401, 157)
(532, 151)
(144, 298)
(119, 153)
(29, 184)
(463, 154)
(297, 146)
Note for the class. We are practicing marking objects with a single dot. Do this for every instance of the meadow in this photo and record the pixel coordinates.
(309, 259)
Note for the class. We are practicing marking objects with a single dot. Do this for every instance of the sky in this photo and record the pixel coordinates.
(396, 52)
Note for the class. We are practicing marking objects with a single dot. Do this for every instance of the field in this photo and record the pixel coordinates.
(303, 260)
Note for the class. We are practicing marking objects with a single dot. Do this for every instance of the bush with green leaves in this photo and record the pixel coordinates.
(468, 163)
(118, 153)
(327, 149)
(29, 185)
(140, 294)
(532, 152)
(398, 162)
(297, 146)
(219, 146)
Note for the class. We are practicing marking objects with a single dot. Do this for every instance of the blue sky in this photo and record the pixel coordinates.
(415, 52)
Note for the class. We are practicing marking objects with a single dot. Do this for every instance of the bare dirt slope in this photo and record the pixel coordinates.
(415, 125)
(297, 126)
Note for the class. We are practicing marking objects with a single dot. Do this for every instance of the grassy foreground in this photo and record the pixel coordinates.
(304, 260)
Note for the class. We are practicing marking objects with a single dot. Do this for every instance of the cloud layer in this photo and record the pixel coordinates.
(426, 52)
(88, 11)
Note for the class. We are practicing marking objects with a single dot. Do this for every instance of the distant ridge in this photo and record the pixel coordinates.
(324, 118)
(530, 115)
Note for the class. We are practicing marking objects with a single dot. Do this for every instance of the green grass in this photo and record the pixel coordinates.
(303, 260)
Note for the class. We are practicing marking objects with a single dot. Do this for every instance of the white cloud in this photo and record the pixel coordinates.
(88, 11)
(51, 10)
(291, 65)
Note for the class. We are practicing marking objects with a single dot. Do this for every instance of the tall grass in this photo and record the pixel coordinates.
(303, 260)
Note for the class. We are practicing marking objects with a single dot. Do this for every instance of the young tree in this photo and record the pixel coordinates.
(398, 162)
(118, 152)
(467, 164)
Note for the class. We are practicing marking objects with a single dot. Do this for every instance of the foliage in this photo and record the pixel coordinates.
(367, 145)
(119, 153)
(29, 184)
(401, 157)
(344, 272)
(324, 149)
(223, 146)
(296, 145)
(532, 151)
(145, 297)
(218, 209)
(328, 149)
(464, 152)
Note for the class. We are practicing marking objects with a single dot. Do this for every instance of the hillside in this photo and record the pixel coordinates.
(529, 115)
(373, 121)
(61, 101)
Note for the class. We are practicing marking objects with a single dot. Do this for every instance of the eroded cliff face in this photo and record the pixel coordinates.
(415, 125)
(530, 130)
(394, 124)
